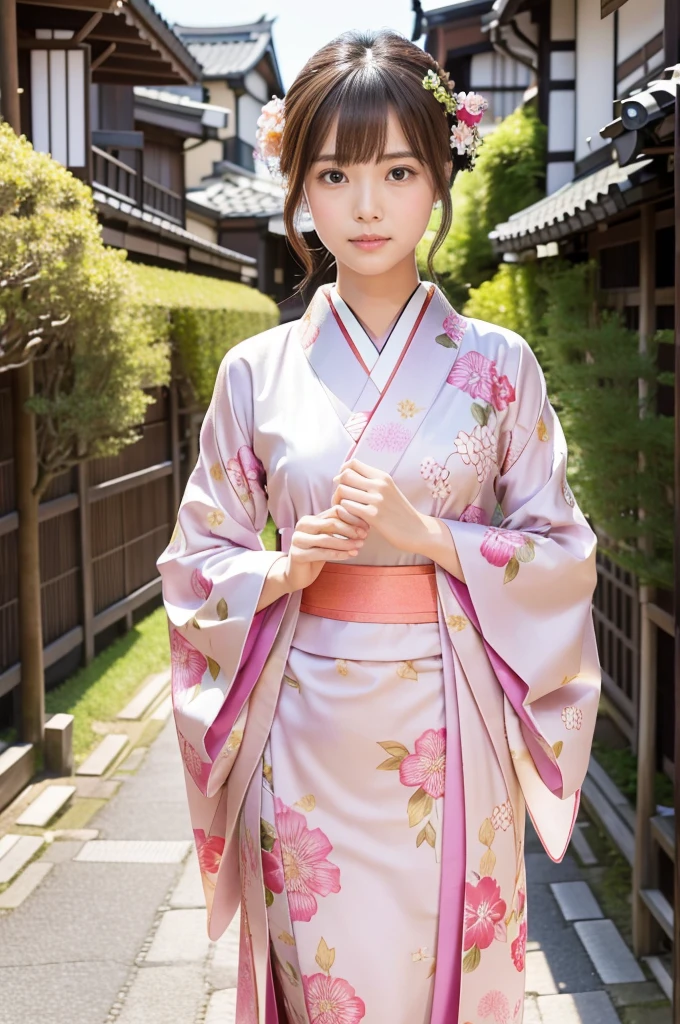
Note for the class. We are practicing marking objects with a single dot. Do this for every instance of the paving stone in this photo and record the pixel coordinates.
(18, 855)
(613, 960)
(48, 994)
(103, 756)
(7, 842)
(189, 893)
(58, 852)
(647, 1014)
(94, 788)
(133, 760)
(223, 971)
(143, 700)
(134, 851)
(576, 901)
(46, 805)
(570, 965)
(531, 1014)
(541, 869)
(75, 834)
(661, 969)
(161, 994)
(539, 978)
(163, 710)
(222, 1007)
(577, 1008)
(15, 894)
(635, 993)
(182, 935)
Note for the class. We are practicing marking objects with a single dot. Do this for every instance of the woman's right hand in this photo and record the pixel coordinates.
(314, 542)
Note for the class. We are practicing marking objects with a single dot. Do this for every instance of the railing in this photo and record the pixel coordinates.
(159, 199)
(117, 178)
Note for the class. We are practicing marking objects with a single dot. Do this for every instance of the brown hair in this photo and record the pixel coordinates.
(343, 78)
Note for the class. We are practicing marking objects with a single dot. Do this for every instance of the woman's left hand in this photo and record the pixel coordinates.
(373, 495)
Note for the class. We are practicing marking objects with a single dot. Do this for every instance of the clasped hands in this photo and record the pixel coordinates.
(364, 499)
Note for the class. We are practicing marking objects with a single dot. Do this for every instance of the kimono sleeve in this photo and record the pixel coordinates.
(528, 590)
(212, 574)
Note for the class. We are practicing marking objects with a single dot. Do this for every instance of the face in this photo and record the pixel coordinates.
(371, 216)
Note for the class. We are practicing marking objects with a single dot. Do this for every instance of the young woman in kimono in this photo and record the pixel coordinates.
(364, 715)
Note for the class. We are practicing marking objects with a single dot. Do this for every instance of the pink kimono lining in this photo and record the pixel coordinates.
(516, 690)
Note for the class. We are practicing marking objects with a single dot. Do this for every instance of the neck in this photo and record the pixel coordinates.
(377, 298)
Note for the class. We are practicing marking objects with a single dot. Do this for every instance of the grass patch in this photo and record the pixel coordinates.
(97, 692)
(621, 766)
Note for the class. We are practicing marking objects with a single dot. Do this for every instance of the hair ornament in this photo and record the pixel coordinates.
(466, 109)
(269, 135)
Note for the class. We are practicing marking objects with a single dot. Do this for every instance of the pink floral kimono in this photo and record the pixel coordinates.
(358, 789)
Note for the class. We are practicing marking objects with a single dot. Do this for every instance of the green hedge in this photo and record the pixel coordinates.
(592, 367)
(207, 317)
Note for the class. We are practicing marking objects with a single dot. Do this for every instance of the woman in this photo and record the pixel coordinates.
(364, 715)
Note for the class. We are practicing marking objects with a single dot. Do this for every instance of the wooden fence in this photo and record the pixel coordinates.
(103, 524)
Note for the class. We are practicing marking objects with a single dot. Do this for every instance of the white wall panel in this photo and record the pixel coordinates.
(561, 121)
(639, 21)
(77, 142)
(562, 64)
(594, 75)
(562, 19)
(58, 142)
(40, 90)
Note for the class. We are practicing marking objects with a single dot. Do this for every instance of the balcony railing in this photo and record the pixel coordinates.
(120, 179)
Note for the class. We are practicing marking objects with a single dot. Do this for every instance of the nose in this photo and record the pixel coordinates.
(367, 207)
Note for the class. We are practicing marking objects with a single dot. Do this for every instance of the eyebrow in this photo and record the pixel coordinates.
(403, 154)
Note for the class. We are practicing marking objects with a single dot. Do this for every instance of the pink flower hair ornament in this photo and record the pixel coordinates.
(269, 135)
(466, 110)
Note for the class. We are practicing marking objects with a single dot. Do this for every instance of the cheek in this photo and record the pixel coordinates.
(326, 210)
(415, 209)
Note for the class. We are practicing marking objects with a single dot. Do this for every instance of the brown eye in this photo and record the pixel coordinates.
(332, 177)
(400, 173)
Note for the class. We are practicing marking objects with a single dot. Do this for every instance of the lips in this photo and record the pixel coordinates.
(369, 242)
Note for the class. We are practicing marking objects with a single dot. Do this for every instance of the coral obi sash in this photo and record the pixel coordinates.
(373, 593)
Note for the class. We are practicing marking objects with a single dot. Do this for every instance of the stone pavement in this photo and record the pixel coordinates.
(115, 930)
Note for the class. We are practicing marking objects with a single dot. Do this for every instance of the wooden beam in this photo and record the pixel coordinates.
(104, 55)
(105, 6)
(9, 65)
(89, 25)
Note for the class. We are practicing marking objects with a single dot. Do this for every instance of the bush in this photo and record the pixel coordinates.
(508, 176)
(206, 318)
(66, 298)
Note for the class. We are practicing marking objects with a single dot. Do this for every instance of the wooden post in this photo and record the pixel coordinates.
(32, 721)
(645, 868)
(676, 927)
(87, 588)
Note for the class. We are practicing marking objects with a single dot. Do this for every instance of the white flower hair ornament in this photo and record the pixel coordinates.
(269, 135)
(466, 109)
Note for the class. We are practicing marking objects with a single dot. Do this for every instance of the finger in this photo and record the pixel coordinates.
(337, 525)
(351, 478)
(337, 510)
(365, 512)
(370, 472)
(325, 554)
(356, 495)
(305, 541)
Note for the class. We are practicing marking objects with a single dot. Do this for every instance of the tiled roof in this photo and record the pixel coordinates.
(166, 227)
(227, 50)
(239, 195)
(205, 113)
(574, 207)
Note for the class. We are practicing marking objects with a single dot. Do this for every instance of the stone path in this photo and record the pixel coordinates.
(111, 929)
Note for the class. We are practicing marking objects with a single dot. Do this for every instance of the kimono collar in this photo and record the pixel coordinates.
(381, 397)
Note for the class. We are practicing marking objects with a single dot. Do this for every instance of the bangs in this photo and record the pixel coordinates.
(361, 102)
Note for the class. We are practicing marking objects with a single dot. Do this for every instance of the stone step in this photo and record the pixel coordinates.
(614, 825)
(15, 894)
(18, 855)
(164, 709)
(16, 770)
(104, 754)
(135, 851)
(611, 957)
(143, 700)
(46, 806)
(576, 901)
